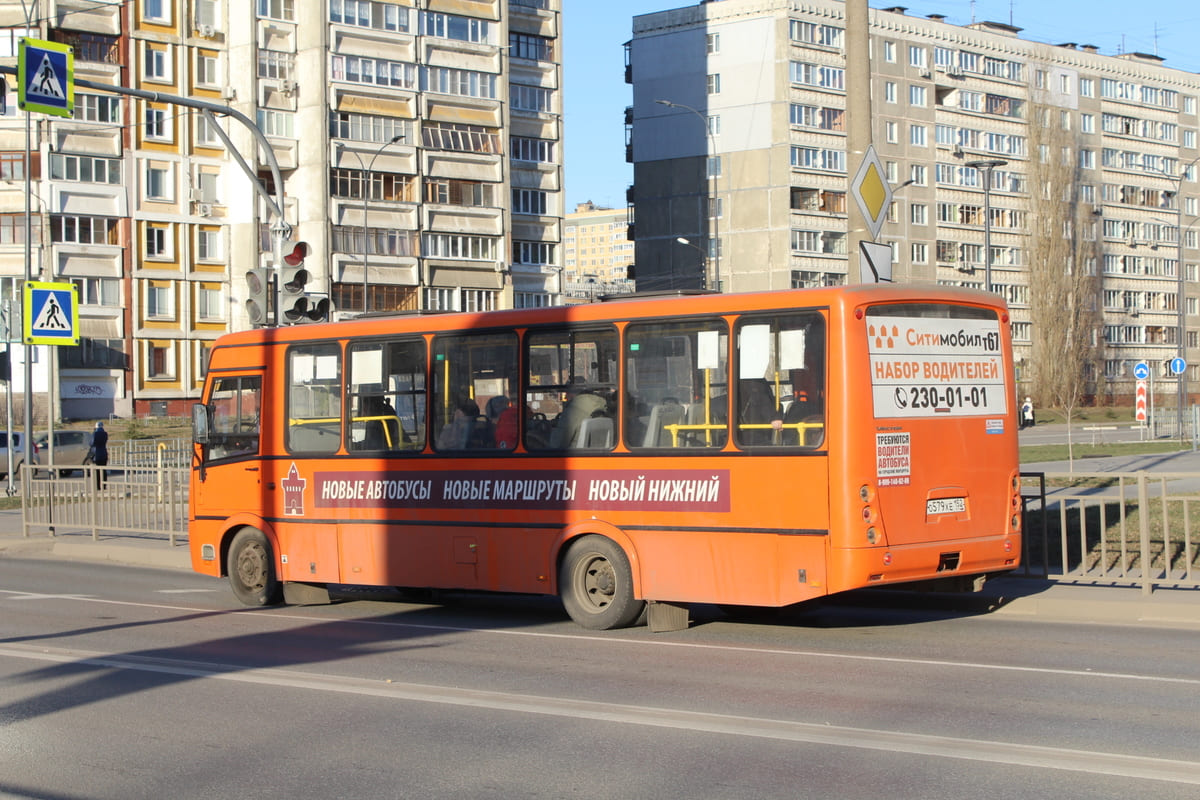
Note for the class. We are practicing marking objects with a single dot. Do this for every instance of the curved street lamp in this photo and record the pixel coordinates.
(715, 236)
(366, 195)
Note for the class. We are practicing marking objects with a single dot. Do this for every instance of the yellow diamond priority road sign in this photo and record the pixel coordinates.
(872, 192)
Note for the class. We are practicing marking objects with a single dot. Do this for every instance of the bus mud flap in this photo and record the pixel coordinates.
(305, 594)
(663, 617)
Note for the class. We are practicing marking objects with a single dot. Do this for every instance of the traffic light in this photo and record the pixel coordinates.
(258, 297)
(298, 304)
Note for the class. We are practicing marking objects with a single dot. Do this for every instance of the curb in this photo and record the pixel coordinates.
(159, 555)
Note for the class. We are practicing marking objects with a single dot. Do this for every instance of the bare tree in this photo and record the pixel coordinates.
(1064, 253)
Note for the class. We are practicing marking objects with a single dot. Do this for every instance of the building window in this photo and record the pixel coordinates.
(460, 138)
(528, 201)
(157, 66)
(536, 150)
(380, 72)
(889, 92)
(917, 174)
(158, 182)
(537, 253)
(917, 135)
(530, 98)
(367, 128)
(365, 14)
(209, 305)
(891, 132)
(99, 291)
(156, 11)
(208, 244)
(467, 248)
(97, 108)
(160, 361)
(530, 47)
(280, 124)
(919, 253)
(68, 229)
(461, 82)
(916, 57)
(452, 26)
(712, 43)
(207, 73)
(1087, 87)
(158, 124)
(889, 52)
(918, 214)
(714, 83)
(276, 65)
(12, 229)
(160, 300)
(917, 96)
(277, 9)
(158, 241)
(12, 166)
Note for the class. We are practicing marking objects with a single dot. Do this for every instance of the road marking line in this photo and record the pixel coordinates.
(925, 662)
(1094, 763)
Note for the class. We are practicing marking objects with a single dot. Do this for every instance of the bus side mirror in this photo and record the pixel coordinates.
(200, 423)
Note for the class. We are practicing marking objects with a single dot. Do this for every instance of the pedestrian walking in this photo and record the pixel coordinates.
(1027, 420)
(99, 453)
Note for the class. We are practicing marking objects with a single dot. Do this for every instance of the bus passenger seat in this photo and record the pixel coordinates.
(668, 412)
(595, 433)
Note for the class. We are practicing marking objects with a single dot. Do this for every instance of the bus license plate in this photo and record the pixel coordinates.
(946, 505)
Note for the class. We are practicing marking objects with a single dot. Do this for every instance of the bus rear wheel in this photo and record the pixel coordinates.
(596, 585)
(251, 568)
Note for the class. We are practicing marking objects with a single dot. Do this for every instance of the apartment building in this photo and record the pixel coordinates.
(738, 142)
(419, 146)
(597, 252)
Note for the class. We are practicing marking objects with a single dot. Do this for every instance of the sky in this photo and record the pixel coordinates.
(596, 94)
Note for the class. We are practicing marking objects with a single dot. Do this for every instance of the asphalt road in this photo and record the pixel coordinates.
(118, 682)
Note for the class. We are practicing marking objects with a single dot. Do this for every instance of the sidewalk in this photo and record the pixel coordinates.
(1009, 596)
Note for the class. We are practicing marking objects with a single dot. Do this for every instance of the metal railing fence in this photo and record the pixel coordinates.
(1126, 529)
(138, 500)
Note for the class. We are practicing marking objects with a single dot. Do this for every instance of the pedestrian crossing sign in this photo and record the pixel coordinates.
(46, 77)
(51, 313)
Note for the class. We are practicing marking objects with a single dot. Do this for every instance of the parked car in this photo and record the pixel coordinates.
(70, 449)
(16, 437)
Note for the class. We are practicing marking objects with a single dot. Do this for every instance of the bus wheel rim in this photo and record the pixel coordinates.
(598, 582)
(251, 566)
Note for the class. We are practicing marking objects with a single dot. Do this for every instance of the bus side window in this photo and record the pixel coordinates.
(235, 403)
(780, 397)
(676, 392)
(468, 372)
(387, 396)
(570, 388)
(314, 401)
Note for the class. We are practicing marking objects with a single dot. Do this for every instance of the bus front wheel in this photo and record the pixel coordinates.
(596, 584)
(251, 567)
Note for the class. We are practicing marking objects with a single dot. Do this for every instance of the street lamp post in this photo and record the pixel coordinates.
(987, 167)
(1181, 295)
(715, 236)
(366, 195)
(697, 248)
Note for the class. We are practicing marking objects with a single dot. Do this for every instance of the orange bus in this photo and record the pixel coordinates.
(631, 457)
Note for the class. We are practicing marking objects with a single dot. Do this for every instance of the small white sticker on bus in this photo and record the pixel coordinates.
(893, 458)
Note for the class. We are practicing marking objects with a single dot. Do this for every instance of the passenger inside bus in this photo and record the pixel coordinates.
(582, 403)
(757, 407)
(503, 418)
(467, 430)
